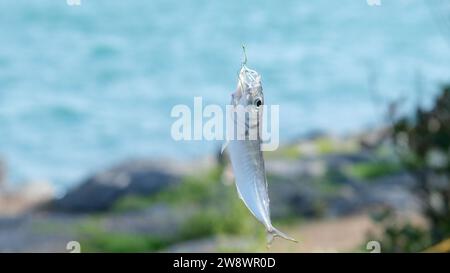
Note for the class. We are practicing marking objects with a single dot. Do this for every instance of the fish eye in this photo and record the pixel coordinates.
(258, 102)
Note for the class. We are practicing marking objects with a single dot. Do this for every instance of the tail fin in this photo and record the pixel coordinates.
(224, 146)
(276, 233)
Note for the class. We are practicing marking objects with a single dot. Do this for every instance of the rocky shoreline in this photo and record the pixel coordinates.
(316, 178)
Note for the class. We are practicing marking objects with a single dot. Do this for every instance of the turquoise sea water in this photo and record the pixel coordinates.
(84, 87)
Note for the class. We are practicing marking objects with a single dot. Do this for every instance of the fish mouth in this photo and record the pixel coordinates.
(250, 80)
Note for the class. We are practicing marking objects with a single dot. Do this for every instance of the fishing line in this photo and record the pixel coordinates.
(245, 56)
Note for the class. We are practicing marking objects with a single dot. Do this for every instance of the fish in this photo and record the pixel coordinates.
(245, 149)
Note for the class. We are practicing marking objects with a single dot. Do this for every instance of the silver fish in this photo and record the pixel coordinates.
(245, 150)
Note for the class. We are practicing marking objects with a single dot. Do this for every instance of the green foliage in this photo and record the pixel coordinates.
(327, 187)
(426, 140)
(94, 238)
(372, 170)
(107, 242)
(235, 220)
(289, 152)
(132, 202)
(328, 145)
(193, 189)
(196, 189)
(330, 182)
(430, 130)
(217, 211)
(423, 144)
(324, 145)
(403, 238)
(220, 211)
(399, 237)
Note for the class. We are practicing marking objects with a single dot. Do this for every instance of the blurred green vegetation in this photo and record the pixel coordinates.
(289, 152)
(398, 235)
(372, 170)
(94, 238)
(422, 144)
(216, 212)
(329, 183)
(324, 145)
(108, 242)
(196, 190)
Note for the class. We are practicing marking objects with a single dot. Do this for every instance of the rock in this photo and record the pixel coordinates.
(37, 233)
(51, 231)
(290, 196)
(393, 191)
(158, 220)
(37, 191)
(296, 168)
(337, 161)
(26, 197)
(99, 192)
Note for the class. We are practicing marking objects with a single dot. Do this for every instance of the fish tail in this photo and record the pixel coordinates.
(276, 233)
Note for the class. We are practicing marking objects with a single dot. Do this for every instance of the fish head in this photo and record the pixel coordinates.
(248, 101)
(249, 91)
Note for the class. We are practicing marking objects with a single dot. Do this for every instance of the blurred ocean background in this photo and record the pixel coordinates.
(82, 87)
